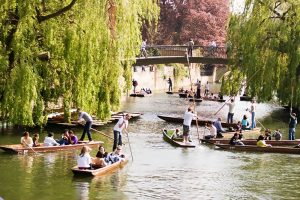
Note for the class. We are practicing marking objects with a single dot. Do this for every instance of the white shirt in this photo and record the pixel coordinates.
(49, 141)
(84, 161)
(85, 116)
(187, 118)
(213, 131)
(253, 107)
(26, 142)
(120, 122)
(231, 106)
(206, 86)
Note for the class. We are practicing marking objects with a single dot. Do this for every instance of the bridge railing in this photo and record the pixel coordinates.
(181, 50)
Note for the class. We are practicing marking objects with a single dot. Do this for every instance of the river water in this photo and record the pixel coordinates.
(158, 170)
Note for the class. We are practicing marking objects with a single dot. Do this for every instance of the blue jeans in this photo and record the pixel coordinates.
(87, 129)
(117, 139)
(253, 123)
(292, 133)
(230, 118)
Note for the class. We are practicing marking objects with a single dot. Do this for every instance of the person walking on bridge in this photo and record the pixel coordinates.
(143, 49)
(190, 47)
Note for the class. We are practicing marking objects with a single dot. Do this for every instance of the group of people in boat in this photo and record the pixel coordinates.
(102, 158)
(67, 138)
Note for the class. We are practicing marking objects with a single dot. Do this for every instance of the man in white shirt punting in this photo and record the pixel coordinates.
(231, 106)
(122, 125)
(187, 121)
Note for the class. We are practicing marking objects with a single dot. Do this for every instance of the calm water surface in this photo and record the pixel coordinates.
(158, 170)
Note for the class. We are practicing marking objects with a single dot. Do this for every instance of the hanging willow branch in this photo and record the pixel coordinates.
(42, 18)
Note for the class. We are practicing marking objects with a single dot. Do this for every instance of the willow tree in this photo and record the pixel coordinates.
(264, 44)
(75, 51)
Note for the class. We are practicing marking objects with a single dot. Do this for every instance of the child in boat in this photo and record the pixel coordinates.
(235, 140)
(73, 137)
(268, 134)
(261, 142)
(26, 140)
(101, 158)
(245, 123)
(277, 135)
(116, 156)
(36, 140)
(49, 140)
(177, 134)
(84, 160)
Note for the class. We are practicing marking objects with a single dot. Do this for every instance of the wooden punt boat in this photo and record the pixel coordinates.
(183, 95)
(18, 148)
(255, 131)
(245, 98)
(196, 100)
(101, 171)
(167, 135)
(201, 122)
(172, 92)
(253, 142)
(254, 148)
(137, 95)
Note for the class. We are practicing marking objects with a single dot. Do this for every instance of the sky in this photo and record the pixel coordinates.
(237, 6)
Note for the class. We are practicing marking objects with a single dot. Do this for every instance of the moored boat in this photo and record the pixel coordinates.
(100, 171)
(183, 95)
(253, 142)
(18, 148)
(213, 99)
(254, 148)
(167, 135)
(137, 95)
(201, 122)
(245, 98)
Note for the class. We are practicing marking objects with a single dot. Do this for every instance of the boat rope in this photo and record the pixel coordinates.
(192, 93)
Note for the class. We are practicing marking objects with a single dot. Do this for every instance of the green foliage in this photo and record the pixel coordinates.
(180, 71)
(91, 47)
(265, 43)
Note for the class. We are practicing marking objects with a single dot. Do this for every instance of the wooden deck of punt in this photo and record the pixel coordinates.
(167, 135)
(183, 95)
(196, 100)
(254, 148)
(255, 131)
(201, 122)
(140, 95)
(99, 172)
(253, 142)
(59, 120)
(18, 148)
(172, 92)
(245, 98)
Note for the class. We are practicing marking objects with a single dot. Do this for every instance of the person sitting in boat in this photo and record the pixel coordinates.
(245, 123)
(116, 156)
(212, 131)
(277, 135)
(261, 142)
(101, 158)
(235, 140)
(238, 127)
(177, 134)
(220, 96)
(26, 140)
(36, 140)
(268, 134)
(148, 91)
(84, 160)
(73, 137)
(50, 141)
(65, 139)
(143, 91)
(220, 129)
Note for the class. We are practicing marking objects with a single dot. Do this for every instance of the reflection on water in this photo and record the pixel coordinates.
(159, 170)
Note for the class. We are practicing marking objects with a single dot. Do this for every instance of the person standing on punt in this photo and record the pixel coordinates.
(231, 106)
(292, 125)
(88, 124)
(187, 121)
(252, 111)
(122, 125)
